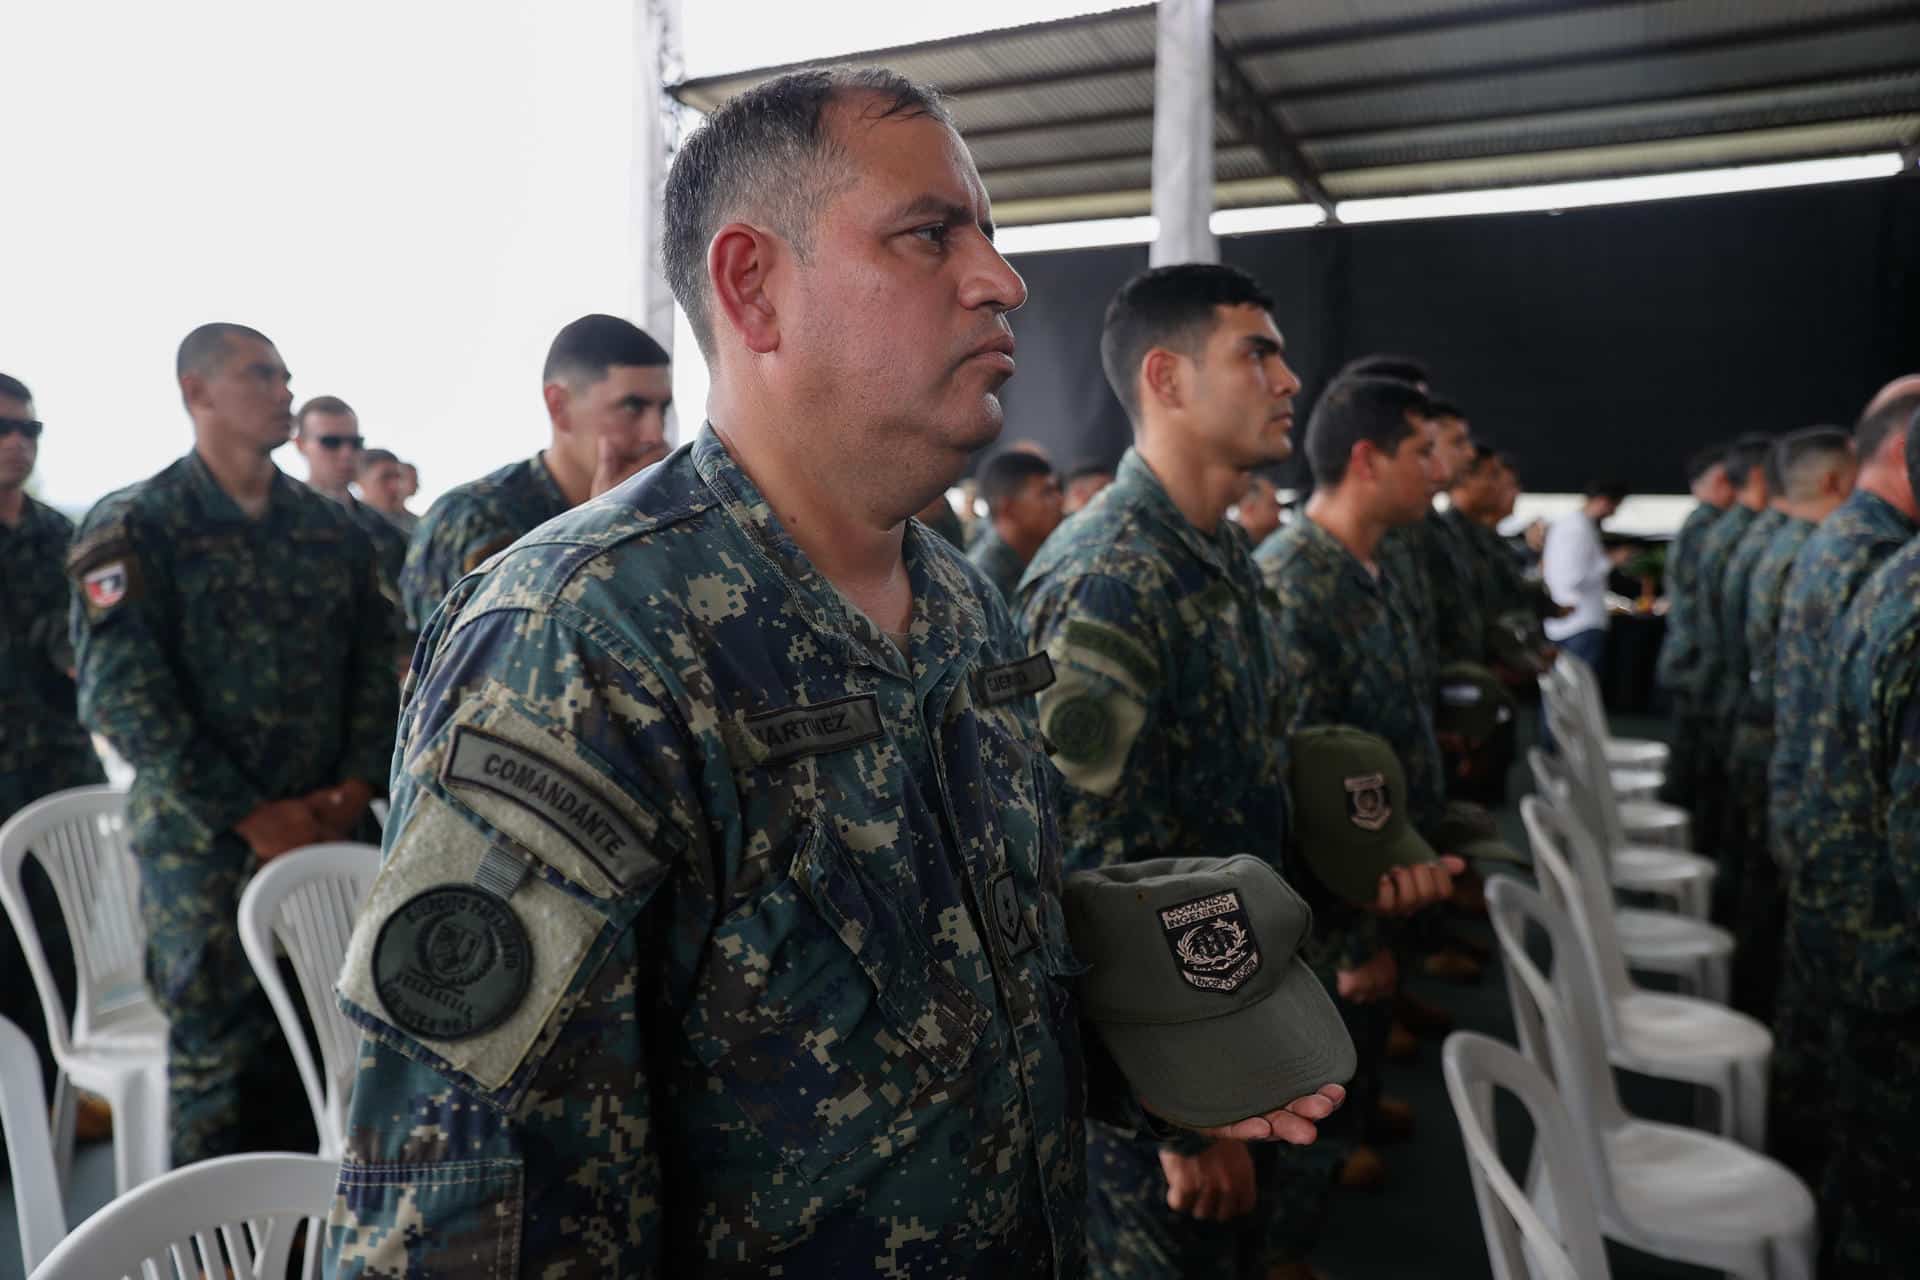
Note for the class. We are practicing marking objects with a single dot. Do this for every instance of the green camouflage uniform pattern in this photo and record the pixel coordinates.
(1744, 797)
(469, 523)
(1677, 665)
(1402, 555)
(1703, 682)
(248, 661)
(1829, 570)
(43, 749)
(389, 544)
(1167, 721)
(1501, 585)
(1454, 580)
(774, 1032)
(1856, 903)
(999, 563)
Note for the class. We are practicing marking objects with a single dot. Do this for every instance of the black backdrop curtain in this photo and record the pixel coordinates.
(1595, 342)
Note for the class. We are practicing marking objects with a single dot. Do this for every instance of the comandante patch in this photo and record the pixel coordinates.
(549, 791)
(814, 730)
(1010, 680)
(453, 962)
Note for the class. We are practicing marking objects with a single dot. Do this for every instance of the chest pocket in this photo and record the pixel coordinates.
(218, 586)
(826, 1018)
(1217, 720)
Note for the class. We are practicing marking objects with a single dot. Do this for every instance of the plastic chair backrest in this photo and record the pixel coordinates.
(1583, 682)
(251, 1204)
(23, 1114)
(80, 839)
(1565, 1009)
(1589, 780)
(1520, 1245)
(308, 900)
(1553, 830)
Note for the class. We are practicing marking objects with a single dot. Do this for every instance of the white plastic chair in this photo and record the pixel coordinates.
(1619, 753)
(252, 1204)
(306, 901)
(1686, 878)
(1520, 1243)
(116, 1045)
(1669, 1036)
(37, 1207)
(1661, 1188)
(1699, 954)
(1647, 822)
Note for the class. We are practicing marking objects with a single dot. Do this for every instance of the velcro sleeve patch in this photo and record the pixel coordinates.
(573, 808)
(1090, 726)
(1012, 680)
(1108, 651)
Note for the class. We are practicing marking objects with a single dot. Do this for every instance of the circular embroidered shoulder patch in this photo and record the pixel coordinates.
(1080, 728)
(452, 962)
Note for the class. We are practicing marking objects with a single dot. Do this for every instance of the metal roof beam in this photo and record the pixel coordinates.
(1236, 97)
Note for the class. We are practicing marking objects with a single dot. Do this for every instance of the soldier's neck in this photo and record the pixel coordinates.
(1348, 522)
(243, 473)
(1203, 490)
(13, 506)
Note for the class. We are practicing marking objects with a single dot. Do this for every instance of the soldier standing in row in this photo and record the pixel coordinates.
(1022, 493)
(739, 769)
(607, 388)
(234, 645)
(1680, 645)
(326, 432)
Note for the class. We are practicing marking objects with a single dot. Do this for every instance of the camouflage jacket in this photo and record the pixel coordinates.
(231, 661)
(790, 893)
(1459, 598)
(1350, 656)
(1856, 888)
(1680, 648)
(1402, 556)
(1716, 550)
(1730, 623)
(1835, 560)
(1501, 586)
(1168, 714)
(469, 523)
(1766, 591)
(389, 544)
(36, 693)
(999, 563)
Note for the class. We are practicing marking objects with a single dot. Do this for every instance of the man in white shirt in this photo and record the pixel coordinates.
(1575, 565)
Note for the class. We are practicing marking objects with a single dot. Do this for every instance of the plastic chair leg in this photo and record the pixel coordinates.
(141, 1150)
(1792, 1255)
(1750, 1098)
(66, 1101)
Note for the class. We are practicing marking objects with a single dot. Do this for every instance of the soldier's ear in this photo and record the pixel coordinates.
(1163, 378)
(740, 267)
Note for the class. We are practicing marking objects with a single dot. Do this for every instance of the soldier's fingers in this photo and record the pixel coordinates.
(1334, 1093)
(1389, 900)
(1177, 1197)
(1454, 864)
(1206, 1204)
(1312, 1107)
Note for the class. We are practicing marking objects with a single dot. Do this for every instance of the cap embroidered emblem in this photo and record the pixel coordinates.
(1212, 941)
(1368, 804)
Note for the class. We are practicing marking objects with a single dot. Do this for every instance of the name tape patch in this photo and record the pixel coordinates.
(547, 790)
(814, 730)
(995, 685)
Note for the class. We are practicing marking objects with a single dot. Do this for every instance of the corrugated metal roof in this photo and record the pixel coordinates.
(1421, 95)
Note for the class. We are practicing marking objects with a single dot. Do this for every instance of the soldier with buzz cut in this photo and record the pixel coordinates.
(1856, 907)
(1828, 571)
(1680, 645)
(607, 387)
(235, 646)
(719, 931)
(1167, 717)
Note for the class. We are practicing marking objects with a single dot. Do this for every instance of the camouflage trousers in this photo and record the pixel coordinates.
(1133, 1235)
(1696, 774)
(1754, 893)
(231, 1083)
(1870, 1194)
(1800, 1092)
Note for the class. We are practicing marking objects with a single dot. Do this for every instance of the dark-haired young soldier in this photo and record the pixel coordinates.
(1860, 535)
(607, 386)
(1022, 493)
(236, 647)
(1680, 646)
(743, 761)
(1169, 711)
(1855, 895)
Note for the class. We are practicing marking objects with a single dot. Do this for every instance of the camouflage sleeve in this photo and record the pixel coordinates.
(517, 965)
(373, 689)
(450, 540)
(127, 689)
(1899, 698)
(1103, 721)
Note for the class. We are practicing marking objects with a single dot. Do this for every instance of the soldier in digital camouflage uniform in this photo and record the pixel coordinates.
(719, 929)
(43, 748)
(1701, 685)
(235, 646)
(1833, 563)
(1856, 905)
(1168, 716)
(607, 387)
(1446, 557)
(1679, 655)
(1022, 493)
(1813, 473)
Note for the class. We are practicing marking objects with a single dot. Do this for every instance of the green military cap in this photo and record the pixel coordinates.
(1470, 831)
(1510, 642)
(1219, 1019)
(1472, 702)
(1350, 810)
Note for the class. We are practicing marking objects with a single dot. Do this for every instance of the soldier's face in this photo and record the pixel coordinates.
(1406, 475)
(897, 324)
(330, 444)
(382, 483)
(1456, 450)
(17, 453)
(1243, 392)
(250, 398)
(1039, 506)
(627, 409)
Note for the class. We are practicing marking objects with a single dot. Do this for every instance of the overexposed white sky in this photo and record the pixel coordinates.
(408, 198)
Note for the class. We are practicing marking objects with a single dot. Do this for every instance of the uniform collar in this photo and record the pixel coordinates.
(1877, 510)
(216, 504)
(1142, 490)
(1318, 542)
(544, 483)
(948, 626)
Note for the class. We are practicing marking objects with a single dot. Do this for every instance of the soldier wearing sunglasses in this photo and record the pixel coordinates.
(327, 433)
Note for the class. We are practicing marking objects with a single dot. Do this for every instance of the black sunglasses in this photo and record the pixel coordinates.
(334, 442)
(28, 427)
